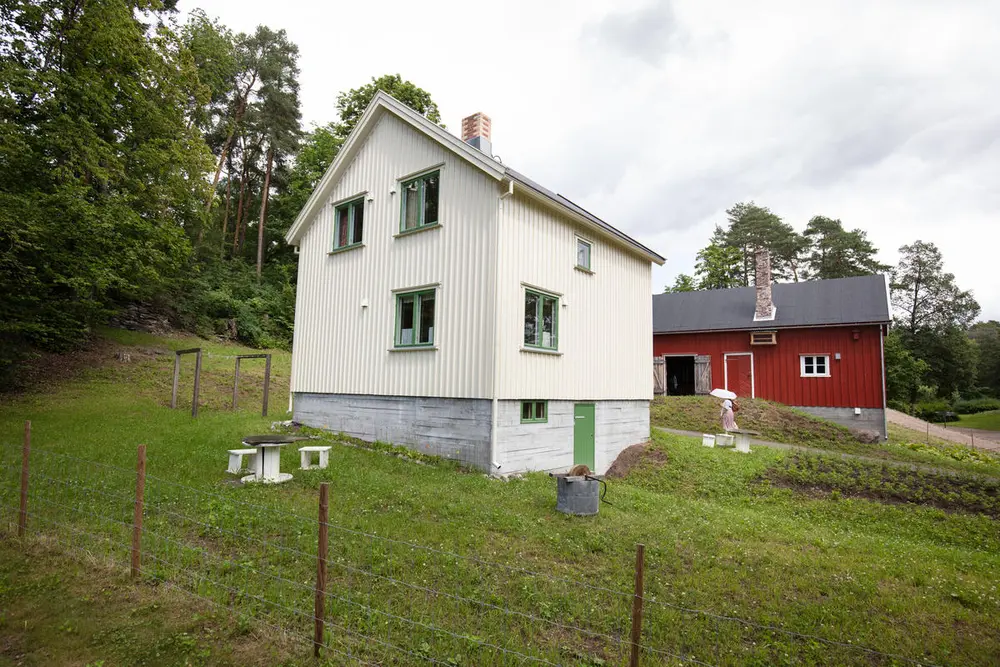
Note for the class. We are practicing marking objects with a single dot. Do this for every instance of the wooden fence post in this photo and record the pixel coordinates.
(197, 382)
(236, 382)
(177, 378)
(267, 381)
(140, 490)
(22, 519)
(640, 564)
(320, 611)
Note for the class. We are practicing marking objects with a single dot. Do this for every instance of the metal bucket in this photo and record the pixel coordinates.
(578, 495)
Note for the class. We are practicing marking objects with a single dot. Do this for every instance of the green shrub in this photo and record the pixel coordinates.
(977, 405)
(933, 410)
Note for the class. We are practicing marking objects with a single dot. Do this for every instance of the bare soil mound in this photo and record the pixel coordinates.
(633, 456)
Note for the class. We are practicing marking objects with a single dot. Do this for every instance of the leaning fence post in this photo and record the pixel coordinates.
(267, 380)
(197, 382)
(320, 611)
(177, 378)
(22, 519)
(236, 381)
(640, 564)
(140, 490)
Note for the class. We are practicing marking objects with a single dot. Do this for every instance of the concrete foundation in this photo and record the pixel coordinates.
(453, 428)
(870, 419)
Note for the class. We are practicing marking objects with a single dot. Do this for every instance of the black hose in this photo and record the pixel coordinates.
(604, 491)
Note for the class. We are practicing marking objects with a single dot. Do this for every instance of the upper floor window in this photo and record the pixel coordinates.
(420, 202)
(815, 365)
(415, 319)
(541, 320)
(349, 223)
(583, 250)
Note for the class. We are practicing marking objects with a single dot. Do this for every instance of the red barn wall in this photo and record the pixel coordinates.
(855, 380)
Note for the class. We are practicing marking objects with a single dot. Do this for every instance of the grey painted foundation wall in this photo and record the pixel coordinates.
(454, 428)
(870, 419)
(460, 429)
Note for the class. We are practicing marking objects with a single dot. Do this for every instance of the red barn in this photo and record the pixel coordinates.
(815, 345)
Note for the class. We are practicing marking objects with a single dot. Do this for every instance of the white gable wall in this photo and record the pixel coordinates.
(605, 318)
(341, 347)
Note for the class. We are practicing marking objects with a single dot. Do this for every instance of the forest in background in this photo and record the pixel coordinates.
(938, 357)
(145, 160)
(148, 160)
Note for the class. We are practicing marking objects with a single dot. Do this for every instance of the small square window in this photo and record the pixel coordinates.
(583, 251)
(415, 314)
(534, 412)
(815, 365)
(420, 202)
(349, 221)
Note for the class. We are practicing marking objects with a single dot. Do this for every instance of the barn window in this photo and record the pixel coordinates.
(415, 319)
(420, 202)
(583, 250)
(763, 338)
(534, 412)
(541, 320)
(815, 365)
(349, 224)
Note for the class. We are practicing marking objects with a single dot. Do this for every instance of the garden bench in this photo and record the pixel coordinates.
(305, 456)
(236, 460)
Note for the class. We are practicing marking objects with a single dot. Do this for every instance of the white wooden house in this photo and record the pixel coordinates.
(447, 303)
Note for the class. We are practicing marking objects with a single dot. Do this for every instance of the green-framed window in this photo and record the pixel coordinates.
(583, 252)
(541, 320)
(420, 202)
(349, 223)
(415, 313)
(534, 412)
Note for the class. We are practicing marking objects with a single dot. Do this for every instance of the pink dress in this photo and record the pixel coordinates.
(728, 418)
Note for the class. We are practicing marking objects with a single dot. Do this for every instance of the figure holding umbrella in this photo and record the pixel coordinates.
(728, 409)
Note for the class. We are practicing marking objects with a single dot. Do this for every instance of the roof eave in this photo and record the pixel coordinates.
(869, 323)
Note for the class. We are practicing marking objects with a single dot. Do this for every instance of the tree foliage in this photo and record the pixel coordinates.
(837, 253)
(682, 283)
(925, 296)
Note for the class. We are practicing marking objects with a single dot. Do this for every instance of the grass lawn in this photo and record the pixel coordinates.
(987, 421)
(431, 561)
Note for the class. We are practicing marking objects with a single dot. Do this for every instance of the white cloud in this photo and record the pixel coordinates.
(658, 115)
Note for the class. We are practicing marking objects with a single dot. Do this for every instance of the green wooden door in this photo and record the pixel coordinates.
(583, 434)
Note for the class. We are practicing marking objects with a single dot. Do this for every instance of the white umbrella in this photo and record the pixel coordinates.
(722, 393)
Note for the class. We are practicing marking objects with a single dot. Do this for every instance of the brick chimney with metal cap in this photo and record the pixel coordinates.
(765, 309)
(476, 132)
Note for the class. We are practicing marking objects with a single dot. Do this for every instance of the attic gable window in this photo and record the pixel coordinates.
(541, 320)
(349, 223)
(420, 202)
(583, 252)
(815, 365)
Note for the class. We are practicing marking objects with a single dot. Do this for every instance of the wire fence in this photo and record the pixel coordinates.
(361, 598)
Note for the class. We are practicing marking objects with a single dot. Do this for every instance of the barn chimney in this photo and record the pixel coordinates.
(476, 132)
(765, 309)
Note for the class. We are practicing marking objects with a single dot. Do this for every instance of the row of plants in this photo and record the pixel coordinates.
(887, 483)
(941, 410)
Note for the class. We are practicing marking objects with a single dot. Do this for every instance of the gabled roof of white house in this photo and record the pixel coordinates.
(384, 103)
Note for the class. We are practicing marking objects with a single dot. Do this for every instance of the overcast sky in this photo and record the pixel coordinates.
(658, 116)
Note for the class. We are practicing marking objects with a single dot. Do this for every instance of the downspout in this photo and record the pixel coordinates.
(494, 466)
(885, 402)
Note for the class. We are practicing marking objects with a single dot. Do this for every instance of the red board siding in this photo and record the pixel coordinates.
(855, 379)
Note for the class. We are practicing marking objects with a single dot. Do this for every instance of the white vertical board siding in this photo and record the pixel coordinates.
(605, 318)
(341, 347)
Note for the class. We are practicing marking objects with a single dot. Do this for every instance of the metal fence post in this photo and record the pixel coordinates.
(140, 490)
(177, 379)
(22, 519)
(321, 553)
(640, 564)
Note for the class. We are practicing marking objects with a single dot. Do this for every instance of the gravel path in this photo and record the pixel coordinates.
(981, 439)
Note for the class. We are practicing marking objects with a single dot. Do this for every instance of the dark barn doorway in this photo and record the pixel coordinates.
(680, 376)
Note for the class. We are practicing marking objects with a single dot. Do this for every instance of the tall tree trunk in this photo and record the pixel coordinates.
(263, 211)
(225, 147)
(225, 216)
(239, 210)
